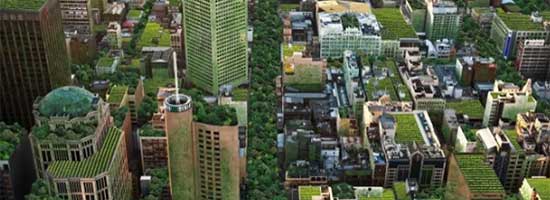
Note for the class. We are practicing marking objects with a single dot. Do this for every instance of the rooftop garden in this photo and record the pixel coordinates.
(471, 107)
(21, 4)
(469, 133)
(513, 137)
(306, 78)
(349, 20)
(117, 94)
(307, 192)
(9, 139)
(387, 194)
(343, 191)
(148, 131)
(92, 166)
(134, 14)
(161, 78)
(119, 115)
(287, 7)
(240, 94)
(289, 49)
(219, 115)
(159, 182)
(407, 130)
(519, 21)
(105, 61)
(479, 176)
(154, 36)
(541, 185)
(75, 132)
(394, 25)
(242, 112)
(391, 85)
(400, 189)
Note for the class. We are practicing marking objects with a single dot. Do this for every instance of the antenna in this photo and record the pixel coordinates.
(176, 77)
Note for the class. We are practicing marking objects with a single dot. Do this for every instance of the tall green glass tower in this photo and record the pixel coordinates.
(215, 42)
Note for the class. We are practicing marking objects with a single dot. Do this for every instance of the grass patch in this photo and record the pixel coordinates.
(407, 130)
(240, 94)
(154, 36)
(160, 78)
(287, 7)
(472, 108)
(394, 25)
(307, 192)
(117, 94)
(306, 78)
(288, 50)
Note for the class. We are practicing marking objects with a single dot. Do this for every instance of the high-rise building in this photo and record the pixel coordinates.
(204, 160)
(476, 69)
(76, 148)
(33, 56)
(442, 20)
(216, 43)
(506, 101)
(77, 17)
(533, 59)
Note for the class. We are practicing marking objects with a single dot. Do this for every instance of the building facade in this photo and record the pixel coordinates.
(506, 101)
(40, 67)
(533, 59)
(77, 17)
(442, 20)
(216, 43)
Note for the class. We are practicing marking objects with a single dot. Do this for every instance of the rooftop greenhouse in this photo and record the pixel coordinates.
(66, 101)
(307, 192)
(479, 176)
(306, 78)
(521, 22)
(472, 107)
(9, 139)
(92, 166)
(154, 36)
(394, 26)
(22, 4)
(407, 129)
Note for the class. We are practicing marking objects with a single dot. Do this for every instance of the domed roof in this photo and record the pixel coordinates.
(66, 101)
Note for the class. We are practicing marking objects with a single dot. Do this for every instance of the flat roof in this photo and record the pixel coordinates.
(521, 22)
(394, 25)
(334, 6)
(479, 176)
(27, 5)
(541, 185)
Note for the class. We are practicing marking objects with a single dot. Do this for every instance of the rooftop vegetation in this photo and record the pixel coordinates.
(242, 112)
(387, 194)
(343, 191)
(161, 78)
(75, 132)
(148, 131)
(9, 139)
(119, 115)
(220, 115)
(154, 36)
(541, 185)
(471, 107)
(391, 85)
(479, 176)
(469, 133)
(394, 25)
(407, 130)
(41, 191)
(105, 61)
(117, 94)
(400, 189)
(159, 182)
(349, 20)
(287, 7)
(240, 94)
(288, 50)
(519, 21)
(307, 192)
(22, 4)
(134, 14)
(92, 166)
(513, 137)
(306, 78)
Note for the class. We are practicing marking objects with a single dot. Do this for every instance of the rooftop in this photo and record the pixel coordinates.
(393, 24)
(352, 23)
(306, 78)
(513, 137)
(541, 185)
(66, 101)
(30, 5)
(92, 166)
(117, 94)
(478, 175)
(308, 192)
(407, 129)
(521, 22)
(334, 6)
(471, 107)
(154, 35)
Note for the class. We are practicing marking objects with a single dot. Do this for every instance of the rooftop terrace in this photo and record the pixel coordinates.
(472, 107)
(306, 78)
(478, 175)
(308, 192)
(407, 130)
(28, 5)
(521, 22)
(117, 94)
(154, 36)
(541, 185)
(92, 166)
(394, 25)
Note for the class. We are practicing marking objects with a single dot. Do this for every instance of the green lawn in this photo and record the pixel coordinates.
(117, 94)
(542, 185)
(160, 78)
(288, 50)
(154, 36)
(306, 192)
(407, 130)
(287, 7)
(306, 78)
(394, 25)
(472, 108)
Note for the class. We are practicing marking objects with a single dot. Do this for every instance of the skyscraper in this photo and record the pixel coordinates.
(33, 58)
(216, 43)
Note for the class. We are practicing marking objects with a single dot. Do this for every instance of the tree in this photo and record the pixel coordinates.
(41, 191)
(146, 109)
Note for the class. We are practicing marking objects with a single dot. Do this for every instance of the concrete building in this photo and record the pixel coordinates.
(506, 101)
(76, 149)
(114, 35)
(221, 58)
(510, 29)
(31, 73)
(471, 70)
(204, 159)
(77, 17)
(442, 20)
(301, 27)
(533, 59)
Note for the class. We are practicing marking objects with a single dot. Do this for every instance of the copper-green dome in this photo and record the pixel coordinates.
(66, 101)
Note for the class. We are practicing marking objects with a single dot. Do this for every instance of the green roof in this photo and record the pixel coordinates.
(394, 25)
(240, 94)
(521, 22)
(148, 131)
(9, 139)
(472, 107)
(387, 194)
(306, 78)
(479, 176)
(242, 112)
(68, 100)
(92, 166)
(307, 192)
(134, 14)
(154, 36)
(513, 137)
(400, 189)
(105, 61)
(117, 94)
(392, 84)
(288, 50)
(22, 4)
(542, 185)
(407, 129)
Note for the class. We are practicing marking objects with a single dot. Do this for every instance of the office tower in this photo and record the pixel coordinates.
(77, 17)
(216, 43)
(204, 161)
(443, 20)
(472, 70)
(76, 148)
(33, 56)
(506, 101)
(533, 59)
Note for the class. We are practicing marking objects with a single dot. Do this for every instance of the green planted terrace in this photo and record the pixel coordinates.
(479, 176)
(471, 107)
(306, 78)
(394, 25)
(542, 185)
(116, 95)
(154, 36)
(9, 139)
(92, 166)
(306, 192)
(513, 137)
(407, 129)
(21, 4)
(392, 85)
(521, 22)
